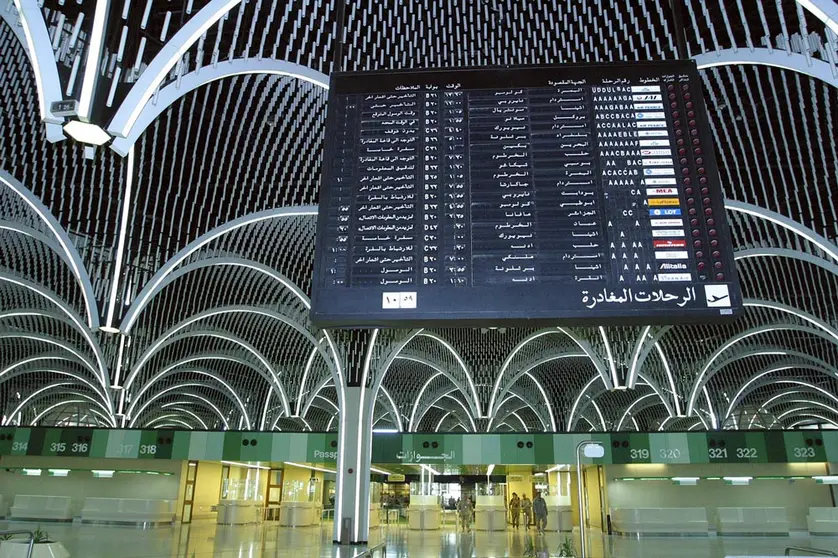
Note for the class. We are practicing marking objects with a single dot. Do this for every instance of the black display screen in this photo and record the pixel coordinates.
(503, 196)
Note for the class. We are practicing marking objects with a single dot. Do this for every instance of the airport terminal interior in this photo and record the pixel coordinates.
(573, 290)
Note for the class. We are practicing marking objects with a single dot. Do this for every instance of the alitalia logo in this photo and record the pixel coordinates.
(672, 266)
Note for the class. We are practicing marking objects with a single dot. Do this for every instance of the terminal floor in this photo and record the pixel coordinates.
(207, 540)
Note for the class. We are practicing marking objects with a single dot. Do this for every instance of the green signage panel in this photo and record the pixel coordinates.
(630, 448)
(802, 446)
(75, 442)
(830, 445)
(20, 445)
(7, 437)
(670, 448)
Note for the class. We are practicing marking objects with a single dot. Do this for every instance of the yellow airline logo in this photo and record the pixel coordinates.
(663, 201)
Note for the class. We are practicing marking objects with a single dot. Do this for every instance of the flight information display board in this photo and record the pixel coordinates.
(500, 196)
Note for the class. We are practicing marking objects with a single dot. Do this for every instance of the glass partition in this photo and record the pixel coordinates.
(240, 489)
(302, 491)
(490, 488)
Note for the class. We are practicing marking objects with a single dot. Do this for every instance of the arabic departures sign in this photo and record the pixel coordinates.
(475, 196)
(413, 456)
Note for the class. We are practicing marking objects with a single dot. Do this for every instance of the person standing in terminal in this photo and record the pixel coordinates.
(465, 511)
(526, 507)
(539, 506)
(515, 510)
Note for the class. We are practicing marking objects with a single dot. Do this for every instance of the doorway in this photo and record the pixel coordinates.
(189, 492)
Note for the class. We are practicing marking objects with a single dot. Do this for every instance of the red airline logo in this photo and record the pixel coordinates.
(670, 244)
(661, 191)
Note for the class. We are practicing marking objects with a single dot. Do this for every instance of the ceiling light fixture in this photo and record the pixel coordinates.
(86, 133)
(310, 467)
(246, 465)
(738, 481)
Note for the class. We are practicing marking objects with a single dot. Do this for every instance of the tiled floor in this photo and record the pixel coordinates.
(206, 540)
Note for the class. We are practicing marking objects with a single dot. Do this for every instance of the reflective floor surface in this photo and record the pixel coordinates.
(207, 540)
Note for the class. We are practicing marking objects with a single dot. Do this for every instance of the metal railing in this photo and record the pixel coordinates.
(31, 534)
(370, 552)
(809, 551)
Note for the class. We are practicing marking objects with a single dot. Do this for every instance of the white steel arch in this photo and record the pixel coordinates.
(582, 344)
(203, 400)
(785, 60)
(162, 393)
(824, 10)
(194, 415)
(633, 405)
(84, 399)
(779, 367)
(828, 247)
(462, 364)
(58, 302)
(493, 408)
(42, 58)
(786, 253)
(273, 377)
(172, 51)
(707, 373)
(232, 261)
(169, 94)
(63, 239)
(174, 369)
(447, 373)
(156, 282)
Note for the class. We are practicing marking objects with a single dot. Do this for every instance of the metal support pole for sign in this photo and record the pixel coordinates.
(580, 489)
(340, 36)
(679, 29)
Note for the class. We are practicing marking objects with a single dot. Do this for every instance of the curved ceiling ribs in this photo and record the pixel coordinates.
(204, 256)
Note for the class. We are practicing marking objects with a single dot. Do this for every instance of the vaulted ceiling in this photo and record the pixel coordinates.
(189, 237)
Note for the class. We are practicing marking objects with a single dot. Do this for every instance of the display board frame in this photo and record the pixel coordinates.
(536, 303)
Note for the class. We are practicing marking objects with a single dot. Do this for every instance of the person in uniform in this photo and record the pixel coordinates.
(526, 507)
(465, 511)
(539, 507)
(515, 510)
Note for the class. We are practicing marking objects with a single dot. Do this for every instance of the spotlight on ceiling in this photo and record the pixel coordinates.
(86, 133)
(109, 329)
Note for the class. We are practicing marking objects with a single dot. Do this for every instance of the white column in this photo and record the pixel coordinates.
(353, 474)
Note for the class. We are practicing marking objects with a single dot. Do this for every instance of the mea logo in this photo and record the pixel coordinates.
(717, 296)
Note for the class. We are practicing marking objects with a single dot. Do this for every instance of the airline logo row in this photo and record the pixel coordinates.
(656, 202)
(663, 201)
